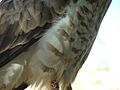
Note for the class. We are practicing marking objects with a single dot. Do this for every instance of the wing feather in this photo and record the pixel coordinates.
(23, 22)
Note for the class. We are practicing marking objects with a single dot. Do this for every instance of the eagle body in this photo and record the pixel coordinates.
(44, 41)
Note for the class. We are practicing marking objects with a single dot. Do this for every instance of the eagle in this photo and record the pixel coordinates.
(44, 43)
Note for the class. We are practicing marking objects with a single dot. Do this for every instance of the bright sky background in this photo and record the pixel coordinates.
(106, 49)
(102, 68)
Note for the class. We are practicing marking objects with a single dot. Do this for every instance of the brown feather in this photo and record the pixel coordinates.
(22, 23)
